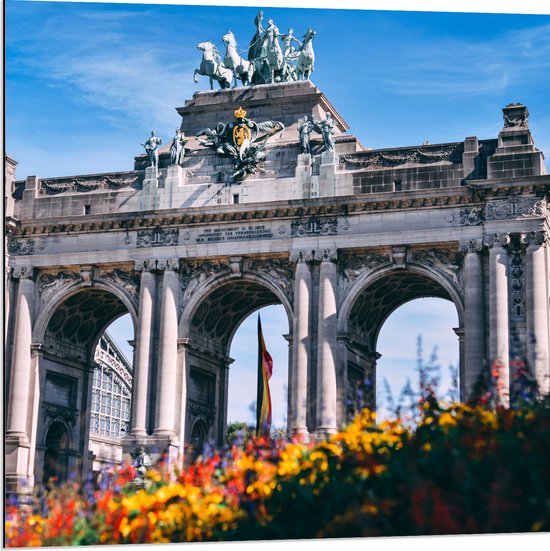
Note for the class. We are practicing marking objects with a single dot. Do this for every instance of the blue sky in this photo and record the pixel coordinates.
(85, 83)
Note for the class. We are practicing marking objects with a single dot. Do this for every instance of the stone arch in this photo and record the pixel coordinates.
(208, 324)
(252, 281)
(68, 328)
(59, 296)
(364, 310)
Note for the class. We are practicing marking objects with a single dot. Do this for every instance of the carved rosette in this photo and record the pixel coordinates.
(535, 239)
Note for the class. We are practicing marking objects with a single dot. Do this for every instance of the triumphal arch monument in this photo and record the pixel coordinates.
(263, 197)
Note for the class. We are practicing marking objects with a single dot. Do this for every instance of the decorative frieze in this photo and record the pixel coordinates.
(74, 185)
(418, 155)
(159, 237)
(25, 246)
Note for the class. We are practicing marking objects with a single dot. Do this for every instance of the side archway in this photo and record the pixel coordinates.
(366, 307)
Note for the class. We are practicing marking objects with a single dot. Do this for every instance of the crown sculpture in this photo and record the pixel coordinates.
(267, 62)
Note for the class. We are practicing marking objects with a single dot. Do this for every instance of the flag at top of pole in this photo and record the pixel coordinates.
(263, 402)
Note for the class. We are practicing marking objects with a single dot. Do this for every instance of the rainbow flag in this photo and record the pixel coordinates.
(263, 402)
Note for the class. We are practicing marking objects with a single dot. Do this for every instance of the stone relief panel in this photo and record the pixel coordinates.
(447, 262)
(49, 283)
(82, 184)
(196, 272)
(127, 280)
(352, 266)
(513, 207)
(159, 237)
(467, 217)
(25, 246)
(279, 270)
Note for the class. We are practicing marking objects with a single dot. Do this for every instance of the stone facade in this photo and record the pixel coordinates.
(339, 238)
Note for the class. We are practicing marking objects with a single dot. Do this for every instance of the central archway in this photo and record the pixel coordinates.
(209, 323)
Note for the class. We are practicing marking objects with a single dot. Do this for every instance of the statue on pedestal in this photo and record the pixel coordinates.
(326, 129)
(177, 148)
(305, 128)
(151, 148)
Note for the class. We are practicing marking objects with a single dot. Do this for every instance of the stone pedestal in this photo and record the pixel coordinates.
(175, 178)
(327, 174)
(302, 174)
(149, 192)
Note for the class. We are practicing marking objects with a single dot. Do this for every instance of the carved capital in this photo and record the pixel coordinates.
(534, 239)
(329, 255)
(498, 240)
(472, 246)
(168, 264)
(23, 272)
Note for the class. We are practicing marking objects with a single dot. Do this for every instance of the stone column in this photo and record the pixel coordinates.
(300, 348)
(326, 347)
(168, 350)
(474, 341)
(143, 345)
(537, 292)
(499, 347)
(19, 391)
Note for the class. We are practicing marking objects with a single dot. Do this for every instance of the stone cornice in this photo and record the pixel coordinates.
(474, 194)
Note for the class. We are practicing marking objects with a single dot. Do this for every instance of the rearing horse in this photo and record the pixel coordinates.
(212, 67)
(242, 69)
(306, 59)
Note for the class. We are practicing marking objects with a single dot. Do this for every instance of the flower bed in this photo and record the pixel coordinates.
(461, 469)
